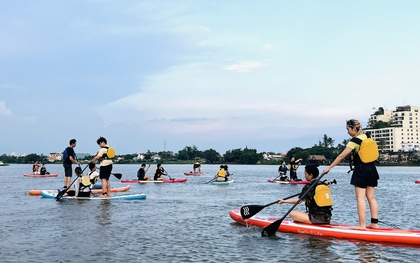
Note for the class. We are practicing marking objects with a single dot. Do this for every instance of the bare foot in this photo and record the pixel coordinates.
(373, 226)
(358, 227)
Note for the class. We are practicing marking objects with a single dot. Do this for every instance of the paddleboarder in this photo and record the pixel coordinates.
(318, 201)
(364, 178)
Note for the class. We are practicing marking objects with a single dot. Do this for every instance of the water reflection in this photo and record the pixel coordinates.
(103, 218)
(366, 253)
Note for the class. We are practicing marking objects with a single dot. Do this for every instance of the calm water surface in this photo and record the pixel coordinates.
(189, 222)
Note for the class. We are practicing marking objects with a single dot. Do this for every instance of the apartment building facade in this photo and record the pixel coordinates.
(402, 131)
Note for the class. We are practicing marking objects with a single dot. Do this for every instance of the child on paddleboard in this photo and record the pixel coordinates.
(159, 173)
(283, 172)
(141, 173)
(318, 201)
(85, 183)
(222, 174)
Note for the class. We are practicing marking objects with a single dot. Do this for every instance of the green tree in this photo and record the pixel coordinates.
(166, 155)
(182, 155)
(211, 156)
(189, 153)
(232, 156)
(326, 142)
(249, 156)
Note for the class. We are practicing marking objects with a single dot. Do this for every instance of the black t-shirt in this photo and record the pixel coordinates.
(70, 152)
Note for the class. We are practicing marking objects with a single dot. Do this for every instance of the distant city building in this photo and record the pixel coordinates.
(140, 156)
(273, 156)
(58, 156)
(156, 157)
(55, 157)
(402, 131)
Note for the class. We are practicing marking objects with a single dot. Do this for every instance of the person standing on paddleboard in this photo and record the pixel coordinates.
(197, 167)
(105, 166)
(293, 166)
(364, 178)
(69, 159)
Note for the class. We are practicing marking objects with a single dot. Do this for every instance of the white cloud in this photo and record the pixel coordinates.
(245, 66)
(4, 110)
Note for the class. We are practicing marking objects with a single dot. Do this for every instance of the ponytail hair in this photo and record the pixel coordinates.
(353, 123)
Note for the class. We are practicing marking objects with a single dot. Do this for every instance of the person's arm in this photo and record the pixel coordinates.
(289, 201)
(339, 159)
(95, 159)
(73, 160)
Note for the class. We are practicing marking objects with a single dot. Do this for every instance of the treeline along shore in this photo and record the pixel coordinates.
(323, 153)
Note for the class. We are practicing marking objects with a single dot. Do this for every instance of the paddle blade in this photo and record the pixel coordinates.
(249, 211)
(118, 175)
(272, 228)
(60, 194)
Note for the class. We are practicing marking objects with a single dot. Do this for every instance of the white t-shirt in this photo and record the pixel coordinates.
(92, 175)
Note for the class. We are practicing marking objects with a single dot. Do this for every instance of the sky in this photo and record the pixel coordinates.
(161, 75)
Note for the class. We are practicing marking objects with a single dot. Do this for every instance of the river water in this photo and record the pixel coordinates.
(189, 222)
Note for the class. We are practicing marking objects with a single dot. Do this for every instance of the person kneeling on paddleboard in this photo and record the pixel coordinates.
(84, 183)
(159, 173)
(221, 175)
(318, 201)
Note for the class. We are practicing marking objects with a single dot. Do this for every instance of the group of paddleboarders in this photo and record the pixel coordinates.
(317, 196)
(159, 173)
(103, 156)
(292, 167)
(42, 171)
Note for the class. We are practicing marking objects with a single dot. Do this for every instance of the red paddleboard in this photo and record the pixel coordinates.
(340, 231)
(135, 181)
(40, 175)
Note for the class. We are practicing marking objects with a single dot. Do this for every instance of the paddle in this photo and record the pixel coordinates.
(78, 172)
(212, 180)
(117, 175)
(276, 177)
(272, 228)
(170, 178)
(249, 211)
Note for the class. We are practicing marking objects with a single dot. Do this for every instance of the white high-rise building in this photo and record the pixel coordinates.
(402, 131)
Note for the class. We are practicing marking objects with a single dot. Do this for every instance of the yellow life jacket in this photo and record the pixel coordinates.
(221, 173)
(323, 196)
(368, 150)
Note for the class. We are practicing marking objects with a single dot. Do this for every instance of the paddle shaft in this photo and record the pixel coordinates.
(272, 228)
(249, 211)
(62, 192)
(211, 180)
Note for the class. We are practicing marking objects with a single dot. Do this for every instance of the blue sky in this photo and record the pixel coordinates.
(162, 75)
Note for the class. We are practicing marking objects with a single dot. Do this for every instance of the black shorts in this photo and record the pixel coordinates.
(83, 194)
(105, 172)
(67, 170)
(365, 175)
(320, 219)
